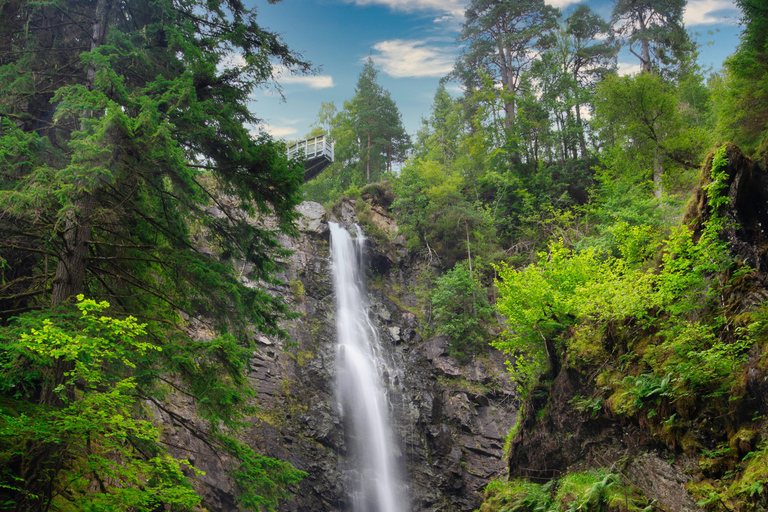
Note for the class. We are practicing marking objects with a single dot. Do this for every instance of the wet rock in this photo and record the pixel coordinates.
(662, 482)
(450, 419)
(746, 210)
(547, 447)
(312, 215)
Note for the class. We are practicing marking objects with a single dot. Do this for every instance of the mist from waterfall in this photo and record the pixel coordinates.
(361, 394)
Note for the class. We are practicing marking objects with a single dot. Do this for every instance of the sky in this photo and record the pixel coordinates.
(413, 45)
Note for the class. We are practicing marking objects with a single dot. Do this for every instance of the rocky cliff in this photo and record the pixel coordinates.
(706, 451)
(451, 419)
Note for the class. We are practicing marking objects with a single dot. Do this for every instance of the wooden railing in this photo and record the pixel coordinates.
(316, 147)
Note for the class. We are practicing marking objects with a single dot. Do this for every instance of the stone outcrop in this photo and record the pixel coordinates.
(451, 419)
(746, 211)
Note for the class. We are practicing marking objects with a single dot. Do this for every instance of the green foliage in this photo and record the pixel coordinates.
(460, 311)
(127, 163)
(566, 287)
(262, 481)
(656, 27)
(95, 429)
(437, 217)
(100, 429)
(742, 116)
(539, 304)
(517, 495)
(369, 138)
(652, 139)
(745, 490)
(590, 406)
(499, 37)
(719, 184)
(585, 491)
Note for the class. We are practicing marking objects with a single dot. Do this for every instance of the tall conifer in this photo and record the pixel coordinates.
(124, 135)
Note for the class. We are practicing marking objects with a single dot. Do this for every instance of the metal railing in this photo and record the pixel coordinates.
(315, 147)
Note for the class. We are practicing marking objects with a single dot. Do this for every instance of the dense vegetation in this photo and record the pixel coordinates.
(124, 144)
(552, 189)
(557, 189)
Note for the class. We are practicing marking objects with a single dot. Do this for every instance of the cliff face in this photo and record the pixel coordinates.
(450, 419)
(708, 450)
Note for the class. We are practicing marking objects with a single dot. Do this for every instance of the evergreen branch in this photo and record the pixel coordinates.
(23, 295)
(138, 284)
(188, 425)
(122, 246)
(29, 249)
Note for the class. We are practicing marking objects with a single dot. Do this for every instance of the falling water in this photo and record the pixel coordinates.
(362, 398)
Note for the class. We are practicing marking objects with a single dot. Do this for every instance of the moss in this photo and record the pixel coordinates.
(519, 495)
(585, 347)
(394, 298)
(380, 193)
(462, 384)
(689, 444)
(365, 216)
(302, 357)
(592, 490)
(297, 287)
(743, 441)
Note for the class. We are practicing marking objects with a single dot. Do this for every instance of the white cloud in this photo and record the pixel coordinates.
(314, 82)
(625, 68)
(455, 88)
(707, 12)
(402, 58)
(562, 4)
(283, 77)
(446, 6)
(232, 60)
(279, 73)
(278, 131)
(451, 11)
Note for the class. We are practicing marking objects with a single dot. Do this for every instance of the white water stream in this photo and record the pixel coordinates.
(362, 397)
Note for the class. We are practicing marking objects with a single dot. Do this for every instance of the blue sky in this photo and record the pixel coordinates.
(412, 43)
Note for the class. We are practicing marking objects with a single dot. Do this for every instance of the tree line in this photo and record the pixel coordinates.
(548, 140)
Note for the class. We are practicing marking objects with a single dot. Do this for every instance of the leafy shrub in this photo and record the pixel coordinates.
(96, 430)
(460, 309)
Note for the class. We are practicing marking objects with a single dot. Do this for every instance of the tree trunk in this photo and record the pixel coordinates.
(368, 161)
(582, 138)
(507, 81)
(646, 53)
(645, 46)
(658, 172)
(472, 281)
(40, 469)
(70, 270)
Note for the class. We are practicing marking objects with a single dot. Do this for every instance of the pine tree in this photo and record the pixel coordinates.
(394, 139)
(378, 125)
(123, 136)
(656, 27)
(591, 58)
(504, 38)
(367, 107)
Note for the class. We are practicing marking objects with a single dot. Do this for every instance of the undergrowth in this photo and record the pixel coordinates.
(596, 490)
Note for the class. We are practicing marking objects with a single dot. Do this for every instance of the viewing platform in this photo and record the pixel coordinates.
(318, 152)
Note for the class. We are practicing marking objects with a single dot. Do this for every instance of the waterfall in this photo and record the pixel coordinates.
(361, 394)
